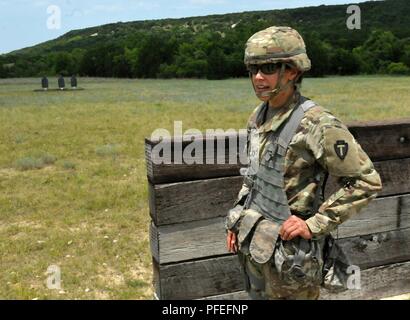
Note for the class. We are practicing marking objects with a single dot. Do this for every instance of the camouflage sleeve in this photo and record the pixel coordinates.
(337, 151)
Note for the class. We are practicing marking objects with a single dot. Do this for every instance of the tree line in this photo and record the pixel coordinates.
(210, 47)
(209, 55)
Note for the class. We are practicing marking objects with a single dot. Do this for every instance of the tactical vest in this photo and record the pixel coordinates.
(298, 261)
(267, 195)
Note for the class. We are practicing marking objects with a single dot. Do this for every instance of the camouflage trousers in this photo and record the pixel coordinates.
(263, 282)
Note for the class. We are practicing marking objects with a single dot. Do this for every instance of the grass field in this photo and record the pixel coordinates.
(73, 187)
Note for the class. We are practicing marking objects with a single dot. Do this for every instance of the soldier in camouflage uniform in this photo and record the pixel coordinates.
(280, 211)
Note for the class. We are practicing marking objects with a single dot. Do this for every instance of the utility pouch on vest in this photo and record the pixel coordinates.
(247, 223)
(264, 241)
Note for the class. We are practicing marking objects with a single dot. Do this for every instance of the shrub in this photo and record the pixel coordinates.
(398, 68)
(107, 150)
(28, 163)
(35, 162)
(68, 165)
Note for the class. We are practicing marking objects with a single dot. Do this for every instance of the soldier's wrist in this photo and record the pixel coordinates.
(233, 217)
(234, 228)
(313, 227)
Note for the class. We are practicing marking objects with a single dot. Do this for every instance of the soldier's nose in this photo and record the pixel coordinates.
(259, 75)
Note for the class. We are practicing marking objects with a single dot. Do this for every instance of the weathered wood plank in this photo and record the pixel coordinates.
(154, 241)
(191, 240)
(176, 173)
(395, 176)
(377, 283)
(153, 203)
(365, 251)
(380, 141)
(199, 239)
(221, 276)
(371, 293)
(196, 279)
(156, 283)
(378, 249)
(222, 155)
(383, 140)
(203, 199)
(194, 200)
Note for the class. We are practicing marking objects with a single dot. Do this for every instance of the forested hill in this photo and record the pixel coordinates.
(212, 46)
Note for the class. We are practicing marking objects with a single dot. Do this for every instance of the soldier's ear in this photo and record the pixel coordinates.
(293, 73)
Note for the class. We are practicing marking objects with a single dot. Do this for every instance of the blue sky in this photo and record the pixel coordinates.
(25, 23)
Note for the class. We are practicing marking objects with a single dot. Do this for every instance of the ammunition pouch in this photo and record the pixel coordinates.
(246, 226)
(263, 241)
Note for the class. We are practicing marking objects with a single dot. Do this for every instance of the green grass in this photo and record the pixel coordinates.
(85, 209)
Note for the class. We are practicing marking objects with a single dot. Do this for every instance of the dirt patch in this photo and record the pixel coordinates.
(110, 276)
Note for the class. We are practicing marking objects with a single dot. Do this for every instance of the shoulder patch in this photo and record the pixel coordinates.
(341, 152)
(341, 149)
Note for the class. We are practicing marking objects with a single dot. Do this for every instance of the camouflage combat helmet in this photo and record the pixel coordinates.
(277, 44)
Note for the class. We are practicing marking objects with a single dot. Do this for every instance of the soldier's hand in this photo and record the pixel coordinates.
(294, 227)
(231, 242)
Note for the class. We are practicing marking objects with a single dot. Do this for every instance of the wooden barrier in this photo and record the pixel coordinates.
(188, 202)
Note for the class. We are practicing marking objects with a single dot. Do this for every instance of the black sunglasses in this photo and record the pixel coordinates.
(266, 68)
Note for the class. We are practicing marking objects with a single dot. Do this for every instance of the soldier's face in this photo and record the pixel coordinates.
(265, 83)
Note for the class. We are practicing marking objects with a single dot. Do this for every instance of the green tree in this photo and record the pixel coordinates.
(88, 65)
(319, 53)
(3, 72)
(131, 55)
(156, 49)
(217, 67)
(167, 71)
(343, 62)
(378, 51)
(191, 61)
(121, 67)
(405, 53)
(77, 56)
(235, 66)
(99, 61)
(64, 64)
